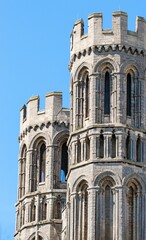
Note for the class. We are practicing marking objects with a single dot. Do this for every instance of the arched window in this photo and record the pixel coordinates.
(105, 210)
(101, 146)
(42, 163)
(78, 151)
(22, 172)
(134, 211)
(113, 147)
(82, 208)
(108, 211)
(87, 97)
(32, 211)
(64, 162)
(42, 208)
(138, 150)
(79, 103)
(87, 148)
(107, 93)
(128, 94)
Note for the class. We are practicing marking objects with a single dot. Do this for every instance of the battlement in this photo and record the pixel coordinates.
(119, 34)
(30, 115)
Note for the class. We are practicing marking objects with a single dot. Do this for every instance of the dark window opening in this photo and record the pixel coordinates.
(78, 151)
(113, 150)
(64, 162)
(42, 163)
(107, 94)
(101, 146)
(128, 148)
(87, 97)
(138, 150)
(129, 94)
(87, 148)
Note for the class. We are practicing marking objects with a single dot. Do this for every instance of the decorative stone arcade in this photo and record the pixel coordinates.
(107, 189)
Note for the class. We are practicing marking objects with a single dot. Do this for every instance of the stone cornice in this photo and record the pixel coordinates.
(105, 48)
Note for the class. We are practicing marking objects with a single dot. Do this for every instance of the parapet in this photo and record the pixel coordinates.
(30, 115)
(118, 35)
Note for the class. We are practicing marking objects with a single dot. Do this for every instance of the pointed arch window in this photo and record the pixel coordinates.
(82, 216)
(22, 172)
(42, 163)
(87, 97)
(105, 204)
(107, 93)
(128, 94)
(64, 162)
(134, 211)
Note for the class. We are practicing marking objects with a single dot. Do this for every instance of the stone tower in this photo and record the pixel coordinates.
(42, 169)
(88, 182)
(107, 143)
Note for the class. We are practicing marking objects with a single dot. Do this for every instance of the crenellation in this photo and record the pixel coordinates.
(119, 34)
(32, 116)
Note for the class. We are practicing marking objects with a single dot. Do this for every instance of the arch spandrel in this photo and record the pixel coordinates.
(107, 174)
(105, 63)
(133, 67)
(79, 180)
(61, 137)
(135, 178)
(39, 137)
(83, 67)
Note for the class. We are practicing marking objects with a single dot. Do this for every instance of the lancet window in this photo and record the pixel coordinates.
(107, 93)
(134, 211)
(22, 175)
(82, 98)
(82, 211)
(129, 94)
(105, 210)
(42, 208)
(38, 166)
(64, 161)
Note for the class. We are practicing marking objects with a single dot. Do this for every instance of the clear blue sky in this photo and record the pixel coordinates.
(34, 57)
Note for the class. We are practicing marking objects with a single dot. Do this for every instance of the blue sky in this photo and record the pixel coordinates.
(34, 57)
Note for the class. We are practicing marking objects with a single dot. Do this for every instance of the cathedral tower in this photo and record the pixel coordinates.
(43, 160)
(89, 183)
(107, 157)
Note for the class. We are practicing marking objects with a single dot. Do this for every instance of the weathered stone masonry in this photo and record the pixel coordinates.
(102, 154)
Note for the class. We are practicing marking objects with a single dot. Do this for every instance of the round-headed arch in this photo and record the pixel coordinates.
(134, 180)
(106, 64)
(82, 70)
(105, 176)
(40, 137)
